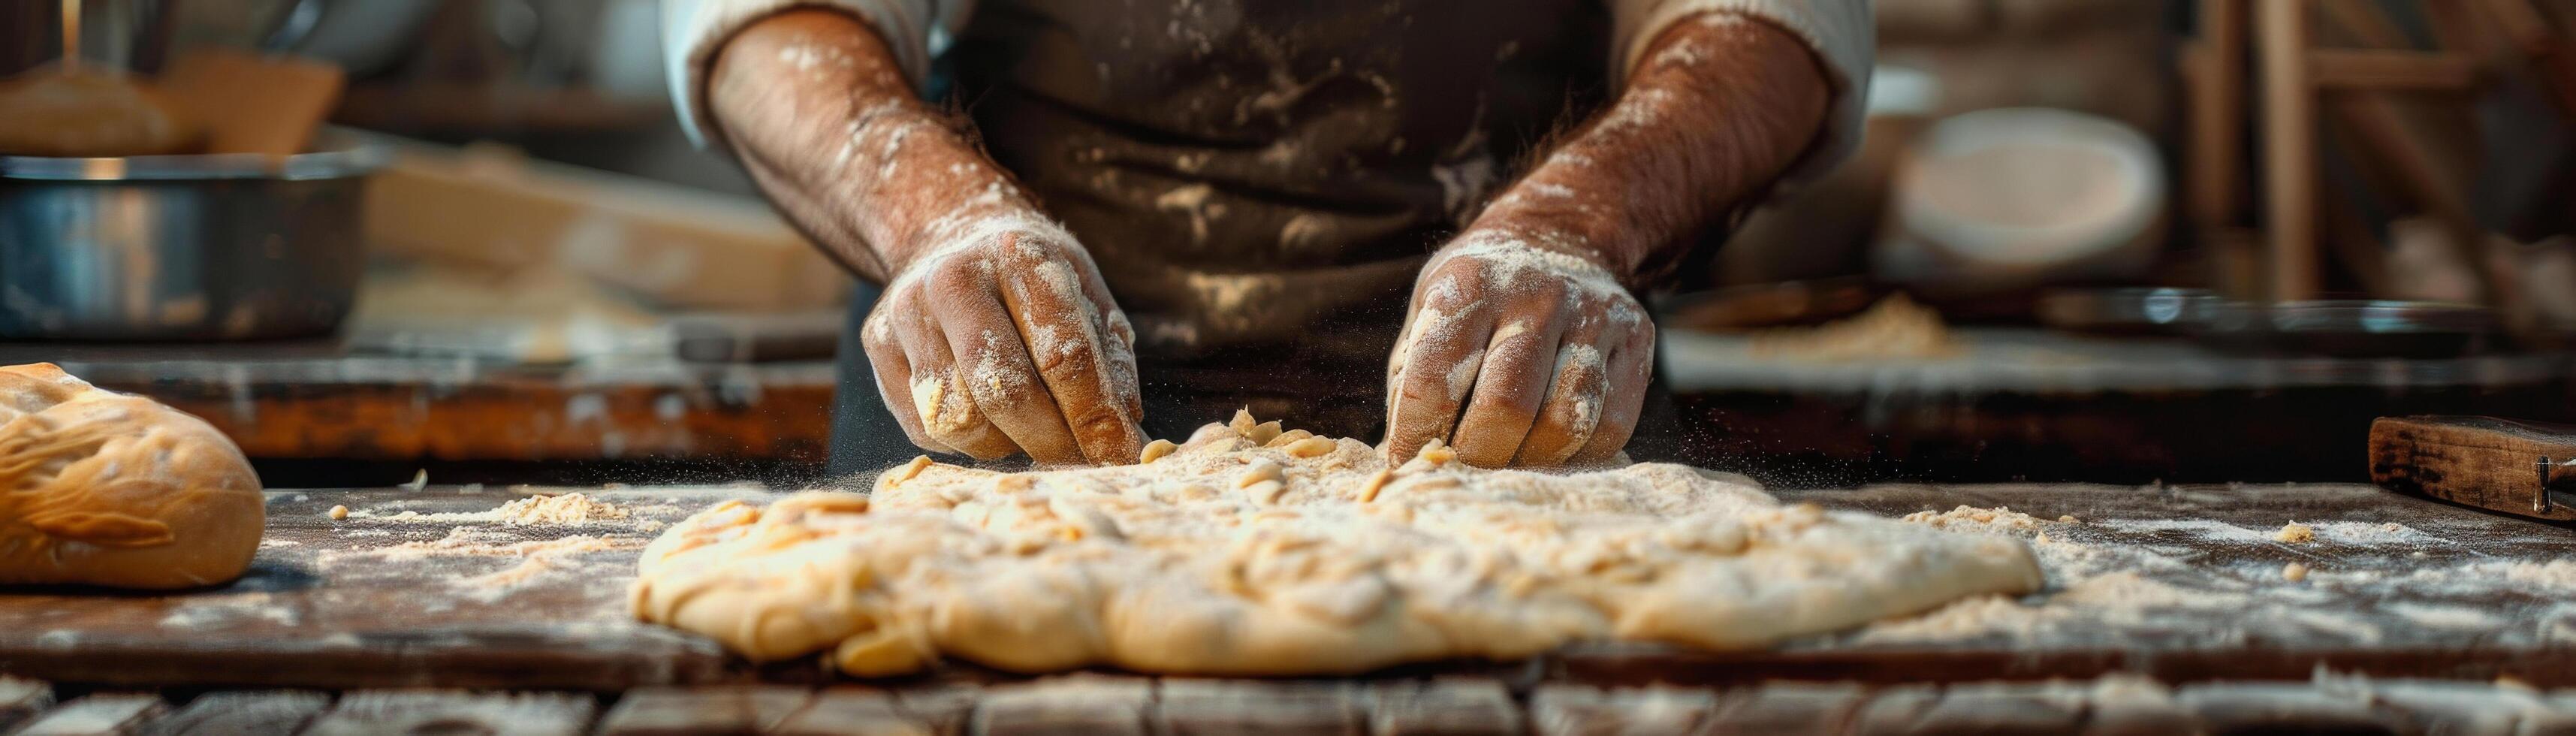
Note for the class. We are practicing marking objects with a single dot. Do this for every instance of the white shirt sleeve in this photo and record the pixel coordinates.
(1839, 31)
(694, 30)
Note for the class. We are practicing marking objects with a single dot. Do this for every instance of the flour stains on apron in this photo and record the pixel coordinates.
(1260, 180)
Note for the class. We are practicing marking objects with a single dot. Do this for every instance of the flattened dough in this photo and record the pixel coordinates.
(103, 488)
(1228, 557)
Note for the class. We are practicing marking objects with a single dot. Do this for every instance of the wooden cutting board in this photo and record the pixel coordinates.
(450, 597)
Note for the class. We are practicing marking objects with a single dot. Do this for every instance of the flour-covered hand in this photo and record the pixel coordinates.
(1518, 350)
(1002, 338)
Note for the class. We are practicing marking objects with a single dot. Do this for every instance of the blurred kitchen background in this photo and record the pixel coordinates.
(2121, 241)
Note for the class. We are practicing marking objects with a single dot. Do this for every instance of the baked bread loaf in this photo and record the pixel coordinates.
(88, 114)
(103, 488)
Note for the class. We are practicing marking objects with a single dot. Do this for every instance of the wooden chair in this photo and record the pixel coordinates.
(2361, 85)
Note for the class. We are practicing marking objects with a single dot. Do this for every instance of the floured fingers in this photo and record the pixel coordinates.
(1575, 399)
(996, 367)
(893, 373)
(1631, 368)
(939, 392)
(1436, 362)
(1513, 383)
(1082, 357)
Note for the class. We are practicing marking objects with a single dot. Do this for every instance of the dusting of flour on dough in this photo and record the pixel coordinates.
(1257, 550)
(1998, 517)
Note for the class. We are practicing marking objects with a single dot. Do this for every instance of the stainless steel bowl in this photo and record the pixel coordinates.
(172, 248)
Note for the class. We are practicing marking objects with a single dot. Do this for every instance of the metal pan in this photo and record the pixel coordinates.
(2350, 328)
(172, 248)
(2124, 311)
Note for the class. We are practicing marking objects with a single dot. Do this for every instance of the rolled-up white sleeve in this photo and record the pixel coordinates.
(1840, 32)
(694, 30)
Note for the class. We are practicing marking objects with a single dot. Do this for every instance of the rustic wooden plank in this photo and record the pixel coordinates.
(1579, 710)
(1442, 706)
(944, 707)
(1094, 705)
(21, 700)
(104, 713)
(1787, 707)
(2470, 708)
(2556, 718)
(2127, 705)
(1894, 710)
(447, 711)
(1186, 706)
(449, 597)
(730, 710)
(2252, 707)
(1974, 708)
(313, 401)
(242, 713)
(375, 602)
(2479, 461)
(855, 711)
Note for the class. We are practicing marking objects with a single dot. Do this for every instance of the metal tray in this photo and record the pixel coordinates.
(2350, 328)
(2125, 311)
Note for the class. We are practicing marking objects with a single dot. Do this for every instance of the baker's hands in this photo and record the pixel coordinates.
(1521, 346)
(1518, 350)
(1003, 339)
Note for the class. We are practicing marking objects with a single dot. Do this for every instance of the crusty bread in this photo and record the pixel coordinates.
(103, 488)
(89, 115)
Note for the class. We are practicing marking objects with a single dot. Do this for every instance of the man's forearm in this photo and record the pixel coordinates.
(817, 109)
(1716, 108)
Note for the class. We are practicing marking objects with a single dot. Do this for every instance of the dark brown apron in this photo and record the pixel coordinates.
(1260, 180)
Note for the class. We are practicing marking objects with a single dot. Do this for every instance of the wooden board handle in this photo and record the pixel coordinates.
(2487, 462)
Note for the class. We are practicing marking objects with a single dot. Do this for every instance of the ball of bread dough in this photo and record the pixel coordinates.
(103, 488)
(88, 114)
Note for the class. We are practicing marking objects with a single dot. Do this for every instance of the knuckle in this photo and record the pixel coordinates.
(1098, 421)
(1064, 359)
(953, 276)
(1503, 400)
(1425, 394)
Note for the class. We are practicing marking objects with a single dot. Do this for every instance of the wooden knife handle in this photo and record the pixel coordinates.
(2506, 465)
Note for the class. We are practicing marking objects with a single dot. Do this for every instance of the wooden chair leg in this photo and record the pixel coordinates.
(2289, 148)
(2218, 113)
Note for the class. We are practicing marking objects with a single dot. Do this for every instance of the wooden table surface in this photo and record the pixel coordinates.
(1112, 706)
(2167, 611)
(2179, 583)
(317, 401)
